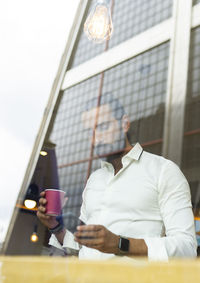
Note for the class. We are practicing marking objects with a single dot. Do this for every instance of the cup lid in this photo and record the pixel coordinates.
(54, 190)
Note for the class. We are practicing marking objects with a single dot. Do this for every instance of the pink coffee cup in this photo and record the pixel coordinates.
(55, 201)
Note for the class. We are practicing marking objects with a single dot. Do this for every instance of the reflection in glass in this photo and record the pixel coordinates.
(90, 124)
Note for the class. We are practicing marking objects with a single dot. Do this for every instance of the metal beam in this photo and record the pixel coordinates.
(122, 52)
(177, 81)
(196, 16)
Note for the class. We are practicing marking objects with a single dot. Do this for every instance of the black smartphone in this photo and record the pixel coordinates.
(80, 222)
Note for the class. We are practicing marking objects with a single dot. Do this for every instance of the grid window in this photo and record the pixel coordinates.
(73, 183)
(191, 140)
(139, 85)
(137, 88)
(72, 146)
(133, 17)
(129, 19)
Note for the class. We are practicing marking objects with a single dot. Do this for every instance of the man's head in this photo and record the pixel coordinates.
(109, 122)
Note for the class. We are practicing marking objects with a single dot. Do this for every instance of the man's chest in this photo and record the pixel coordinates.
(129, 192)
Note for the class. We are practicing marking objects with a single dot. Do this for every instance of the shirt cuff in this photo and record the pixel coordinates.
(156, 249)
(68, 242)
(54, 242)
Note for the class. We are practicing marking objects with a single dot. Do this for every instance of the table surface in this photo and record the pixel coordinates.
(71, 270)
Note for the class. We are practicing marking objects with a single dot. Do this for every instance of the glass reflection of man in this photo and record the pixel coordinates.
(108, 126)
(136, 204)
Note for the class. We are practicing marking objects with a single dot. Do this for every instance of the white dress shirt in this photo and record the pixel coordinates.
(149, 198)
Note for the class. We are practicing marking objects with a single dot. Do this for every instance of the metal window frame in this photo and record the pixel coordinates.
(177, 81)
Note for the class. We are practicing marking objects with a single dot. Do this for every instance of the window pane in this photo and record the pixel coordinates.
(139, 85)
(133, 17)
(191, 141)
(129, 19)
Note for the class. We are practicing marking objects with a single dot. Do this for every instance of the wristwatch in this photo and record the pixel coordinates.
(58, 228)
(123, 245)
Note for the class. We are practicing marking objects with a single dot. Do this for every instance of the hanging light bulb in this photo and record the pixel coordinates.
(30, 204)
(31, 196)
(34, 237)
(43, 153)
(98, 26)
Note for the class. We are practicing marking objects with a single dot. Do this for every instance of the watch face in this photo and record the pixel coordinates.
(124, 244)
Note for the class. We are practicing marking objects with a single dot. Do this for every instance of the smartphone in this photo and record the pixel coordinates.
(80, 222)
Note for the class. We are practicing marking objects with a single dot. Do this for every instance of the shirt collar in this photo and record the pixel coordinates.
(135, 153)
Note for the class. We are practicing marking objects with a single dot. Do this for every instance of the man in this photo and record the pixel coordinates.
(136, 204)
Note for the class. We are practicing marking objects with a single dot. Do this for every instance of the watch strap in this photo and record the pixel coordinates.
(123, 245)
(58, 228)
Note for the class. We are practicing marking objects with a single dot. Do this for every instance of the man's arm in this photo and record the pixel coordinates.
(175, 207)
(176, 210)
(63, 237)
(100, 238)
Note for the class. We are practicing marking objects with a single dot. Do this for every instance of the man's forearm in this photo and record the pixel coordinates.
(100, 238)
(137, 247)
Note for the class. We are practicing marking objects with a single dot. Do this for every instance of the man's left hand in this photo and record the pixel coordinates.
(97, 237)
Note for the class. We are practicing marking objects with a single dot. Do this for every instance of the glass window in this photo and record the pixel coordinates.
(86, 127)
(129, 19)
(82, 134)
(191, 140)
(142, 93)
(133, 17)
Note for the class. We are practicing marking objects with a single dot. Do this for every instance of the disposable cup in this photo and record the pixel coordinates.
(55, 201)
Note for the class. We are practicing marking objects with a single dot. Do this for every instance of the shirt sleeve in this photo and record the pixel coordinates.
(176, 210)
(68, 242)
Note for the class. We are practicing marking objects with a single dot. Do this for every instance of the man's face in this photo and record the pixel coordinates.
(109, 136)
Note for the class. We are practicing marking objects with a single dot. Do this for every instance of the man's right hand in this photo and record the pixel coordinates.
(47, 220)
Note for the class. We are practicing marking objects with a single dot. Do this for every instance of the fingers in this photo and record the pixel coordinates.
(90, 243)
(42, 209)
(42, 201)
(90, 236)
(42, 194)
(88, 240)
(42, 215)
(87, 234)
(89, 228)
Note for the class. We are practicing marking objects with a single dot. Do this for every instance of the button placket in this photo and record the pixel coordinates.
(110, 174)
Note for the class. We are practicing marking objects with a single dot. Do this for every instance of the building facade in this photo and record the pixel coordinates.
(152, 66)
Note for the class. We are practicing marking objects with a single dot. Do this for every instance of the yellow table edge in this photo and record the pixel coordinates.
(71, 270)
